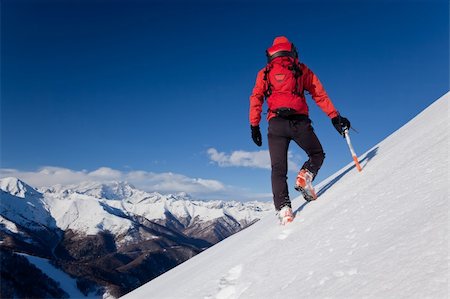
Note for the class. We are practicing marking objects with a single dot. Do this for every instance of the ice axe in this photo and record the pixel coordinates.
(349, 143)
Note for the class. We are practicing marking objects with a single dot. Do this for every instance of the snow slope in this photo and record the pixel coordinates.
(66, 283)
(381, 233)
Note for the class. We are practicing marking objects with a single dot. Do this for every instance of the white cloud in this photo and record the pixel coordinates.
(161, 182)
(106, 173)
(258, 159)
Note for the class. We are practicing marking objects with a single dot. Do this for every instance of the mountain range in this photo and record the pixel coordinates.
(110, 237)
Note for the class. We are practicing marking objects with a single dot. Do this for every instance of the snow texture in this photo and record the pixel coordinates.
(381, 233)
(66, 283)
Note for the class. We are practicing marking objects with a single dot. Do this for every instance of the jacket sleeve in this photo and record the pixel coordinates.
(318, 93)
(257, 99)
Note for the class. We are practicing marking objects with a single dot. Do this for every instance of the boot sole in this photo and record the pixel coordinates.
(308, 195)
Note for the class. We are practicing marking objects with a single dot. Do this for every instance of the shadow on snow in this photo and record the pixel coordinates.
(369, 156)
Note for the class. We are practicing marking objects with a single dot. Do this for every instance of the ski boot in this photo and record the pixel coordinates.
(285, 215)
(304, 185)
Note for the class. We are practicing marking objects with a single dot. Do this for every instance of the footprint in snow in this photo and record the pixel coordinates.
(227, 284)
(284, 233)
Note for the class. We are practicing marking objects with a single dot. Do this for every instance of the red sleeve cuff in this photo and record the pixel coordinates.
(333, 114)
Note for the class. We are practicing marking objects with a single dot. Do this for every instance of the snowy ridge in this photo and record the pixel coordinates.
(125, 199)
(381, 233)
(157, 206)
(23, 205)
(91, 208)
(85, 214)
(17, 188)
(113, 190)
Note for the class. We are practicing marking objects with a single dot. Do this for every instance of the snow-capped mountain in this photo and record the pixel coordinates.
(23, 205)
(16, 187)
(93, 207)
(115, 227)
(381, 233)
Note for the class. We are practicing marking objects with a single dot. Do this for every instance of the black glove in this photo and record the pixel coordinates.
(340, 123)
(256, 135)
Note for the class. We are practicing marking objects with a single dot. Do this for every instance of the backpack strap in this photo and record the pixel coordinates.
(268, 91)
(279, 54)
(297, 74)
(280, 50)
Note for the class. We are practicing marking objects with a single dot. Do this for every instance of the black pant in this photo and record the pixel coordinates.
(281, 132)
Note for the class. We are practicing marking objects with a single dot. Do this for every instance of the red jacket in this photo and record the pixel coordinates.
(307, 81)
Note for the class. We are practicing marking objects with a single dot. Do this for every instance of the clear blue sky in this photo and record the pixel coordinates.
(152, 85)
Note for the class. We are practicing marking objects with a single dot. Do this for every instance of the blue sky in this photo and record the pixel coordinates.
(156, 92)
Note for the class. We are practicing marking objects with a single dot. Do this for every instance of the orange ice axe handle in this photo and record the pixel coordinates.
(355, 158)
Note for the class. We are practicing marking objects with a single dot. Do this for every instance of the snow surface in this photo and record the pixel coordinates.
(66, 283)
(381, 233)
(8, 225)
(86, 214)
